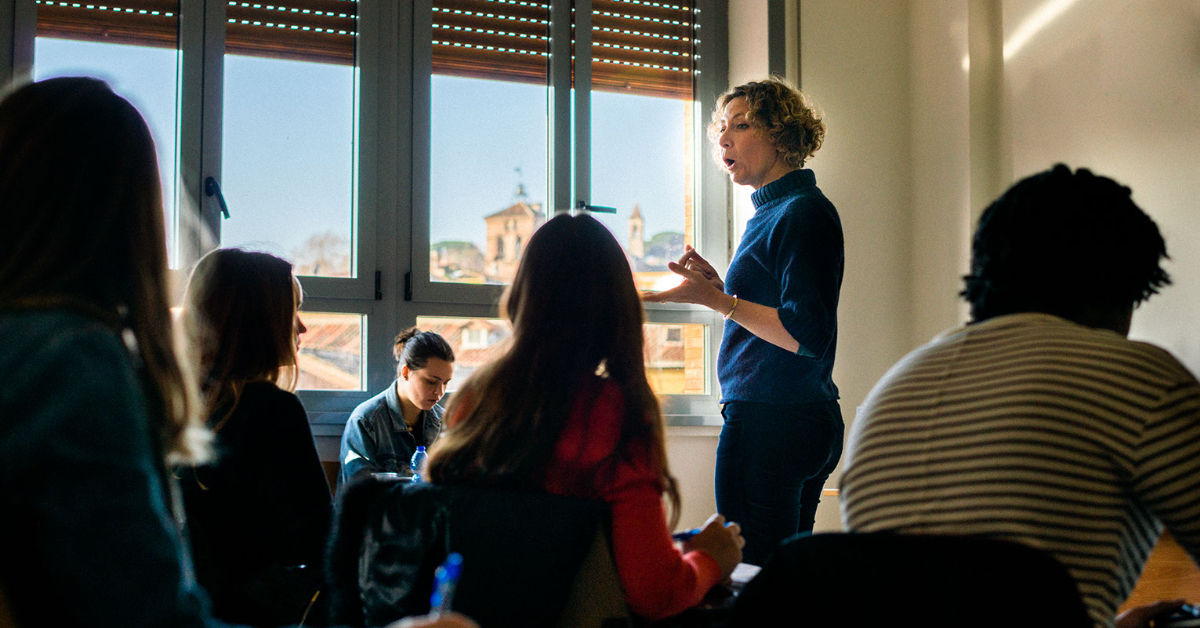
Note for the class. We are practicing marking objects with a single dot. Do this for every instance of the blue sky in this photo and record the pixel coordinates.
(288, 144)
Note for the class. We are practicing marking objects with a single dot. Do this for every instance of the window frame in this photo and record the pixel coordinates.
(569, 127)
(393, 69)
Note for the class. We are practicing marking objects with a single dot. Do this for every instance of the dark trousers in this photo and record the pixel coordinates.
(772, 462)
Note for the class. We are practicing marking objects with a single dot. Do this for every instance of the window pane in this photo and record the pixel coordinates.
(643, 131)
(488, 136)
(331, 352)
(476, 341)
(288, 160)
(675, 358)
(137, 57)
(674, 352)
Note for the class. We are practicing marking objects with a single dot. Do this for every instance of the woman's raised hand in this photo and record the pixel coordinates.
(722, 541)
(701, 284)
(691, 260)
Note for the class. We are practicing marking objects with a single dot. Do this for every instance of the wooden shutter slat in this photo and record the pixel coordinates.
(506, 40)
(644, 47)
(304, 30)
(320, 31)
(133, 22)
(638, 46)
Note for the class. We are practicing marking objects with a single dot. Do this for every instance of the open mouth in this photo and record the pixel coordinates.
(729, 164)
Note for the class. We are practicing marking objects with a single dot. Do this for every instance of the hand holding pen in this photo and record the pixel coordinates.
(445, 581)
(720, 540)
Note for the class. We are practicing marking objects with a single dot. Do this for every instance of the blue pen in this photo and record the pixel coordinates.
(445, 579)
(1189, 610)
(688, 534)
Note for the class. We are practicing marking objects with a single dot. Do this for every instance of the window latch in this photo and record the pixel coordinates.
(212, 188)
(595, 209)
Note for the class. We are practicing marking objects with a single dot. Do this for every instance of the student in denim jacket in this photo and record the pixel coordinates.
(384, 431)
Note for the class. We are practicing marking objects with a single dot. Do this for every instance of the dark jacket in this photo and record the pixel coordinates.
(377, 439)
(89, 539)
(260, 511)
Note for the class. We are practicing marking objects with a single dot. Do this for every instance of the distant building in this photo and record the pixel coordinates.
(637, 235)
(508, 231)
(455, 260)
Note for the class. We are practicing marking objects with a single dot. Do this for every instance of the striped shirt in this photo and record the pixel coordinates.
(1029, 427)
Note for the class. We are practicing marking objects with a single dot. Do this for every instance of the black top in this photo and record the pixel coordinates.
(261, 510)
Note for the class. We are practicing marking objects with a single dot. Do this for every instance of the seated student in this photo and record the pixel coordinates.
(95, 403)
(568, 409)
(1039, 421)
(384, 431)
(258, 516)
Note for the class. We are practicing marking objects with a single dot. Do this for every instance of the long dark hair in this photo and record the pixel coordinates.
(83, 229)
(240, 309)
(574, 311)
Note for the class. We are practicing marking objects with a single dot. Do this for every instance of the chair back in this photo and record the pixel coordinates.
(6, 619)
(522, 552)
(879, 579)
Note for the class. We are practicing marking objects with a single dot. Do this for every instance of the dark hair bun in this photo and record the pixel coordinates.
(414, 347)
(401, 339)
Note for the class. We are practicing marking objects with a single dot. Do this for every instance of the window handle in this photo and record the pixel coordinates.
(212, 188)
(595, 209)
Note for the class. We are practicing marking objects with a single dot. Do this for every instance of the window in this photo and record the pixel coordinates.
(138, 59)
(675, 358)
(289, 137)
(331, 352)
(254, 110)
(401, 154)
(476, 341)
(537, 107)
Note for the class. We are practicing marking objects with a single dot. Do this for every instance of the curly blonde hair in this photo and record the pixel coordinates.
(785, 115)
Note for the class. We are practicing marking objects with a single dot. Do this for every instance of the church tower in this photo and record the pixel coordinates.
(637, 242)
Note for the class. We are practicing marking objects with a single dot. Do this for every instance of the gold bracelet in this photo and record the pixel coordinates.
(730, 312)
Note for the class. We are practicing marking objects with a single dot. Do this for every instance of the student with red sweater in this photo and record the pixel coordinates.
(568, 409)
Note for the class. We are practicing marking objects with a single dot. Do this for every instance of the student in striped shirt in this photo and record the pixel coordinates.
(1039, 421)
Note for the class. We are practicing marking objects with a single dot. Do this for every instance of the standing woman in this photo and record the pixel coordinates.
(783, 426)
(384, 431)
(259, 515)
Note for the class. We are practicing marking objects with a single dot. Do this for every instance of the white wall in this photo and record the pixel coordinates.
(854, 64)
(941, 212)
(1114, 85)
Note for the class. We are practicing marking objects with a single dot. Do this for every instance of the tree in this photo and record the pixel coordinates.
(326, 254)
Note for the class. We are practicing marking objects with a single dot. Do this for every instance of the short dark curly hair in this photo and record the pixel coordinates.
(786, 116)
(1063, 242)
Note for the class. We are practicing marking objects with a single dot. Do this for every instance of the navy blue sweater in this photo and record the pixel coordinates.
(790, 258)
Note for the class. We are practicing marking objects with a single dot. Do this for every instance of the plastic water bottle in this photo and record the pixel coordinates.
(417, 463)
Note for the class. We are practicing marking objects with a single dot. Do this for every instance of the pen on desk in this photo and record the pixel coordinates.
(445, 579)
